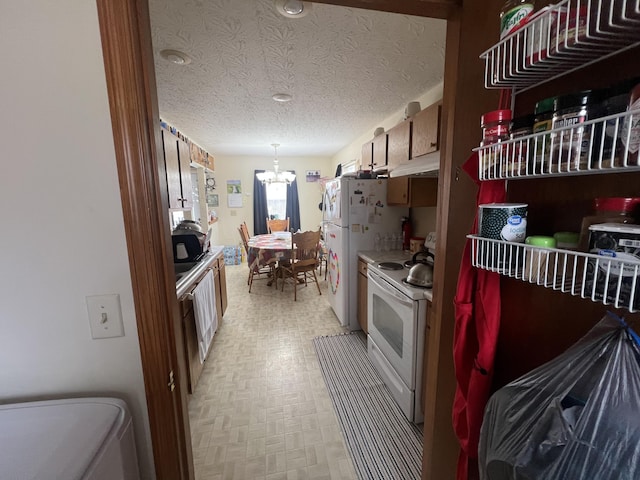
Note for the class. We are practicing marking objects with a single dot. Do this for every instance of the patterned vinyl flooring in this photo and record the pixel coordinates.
(261, 409)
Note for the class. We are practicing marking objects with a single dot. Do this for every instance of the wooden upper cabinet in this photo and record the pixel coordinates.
(398, 144)
(172, 167)
(177, 165)
(185, 173)
(380, 152)
(412, 191)
(426, 131)
(367, 156)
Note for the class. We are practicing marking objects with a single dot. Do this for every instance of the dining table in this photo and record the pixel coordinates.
(269, 248)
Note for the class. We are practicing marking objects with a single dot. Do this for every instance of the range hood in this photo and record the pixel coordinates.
(428, 164)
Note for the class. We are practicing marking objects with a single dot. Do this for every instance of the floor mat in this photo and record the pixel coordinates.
(382, 442)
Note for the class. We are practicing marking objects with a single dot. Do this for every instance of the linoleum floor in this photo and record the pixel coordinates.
(261, 409)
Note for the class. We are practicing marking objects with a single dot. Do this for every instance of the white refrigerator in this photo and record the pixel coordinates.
(354, 210)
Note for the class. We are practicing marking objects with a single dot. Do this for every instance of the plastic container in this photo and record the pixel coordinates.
(609, 281)
(416, 244)
(609, 210)
(570, 145)
(538, 261)
(567, 240)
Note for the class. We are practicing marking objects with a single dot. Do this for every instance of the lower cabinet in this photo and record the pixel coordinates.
(194, 367)
(190, 335)
(362, 295)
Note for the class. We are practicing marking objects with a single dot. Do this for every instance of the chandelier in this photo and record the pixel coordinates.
(275, 176)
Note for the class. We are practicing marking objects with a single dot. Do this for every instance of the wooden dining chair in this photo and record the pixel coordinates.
(255, 270)
(305, 250)
(277, 225)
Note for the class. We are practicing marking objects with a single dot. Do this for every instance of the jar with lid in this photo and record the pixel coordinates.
(631, 129)
(512, 15)
(609, 210)
(570, 139)
(520, 127)
(495, 129)
(542, 122)
(539, 261)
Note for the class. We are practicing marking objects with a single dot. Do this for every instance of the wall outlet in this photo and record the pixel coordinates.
(105, 316)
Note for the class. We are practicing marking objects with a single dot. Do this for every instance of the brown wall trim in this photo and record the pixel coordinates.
(128, 60)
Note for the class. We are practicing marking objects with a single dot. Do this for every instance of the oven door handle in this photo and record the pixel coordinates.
(389, 289)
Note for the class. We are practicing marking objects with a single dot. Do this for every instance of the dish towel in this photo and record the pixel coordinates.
(204, 309)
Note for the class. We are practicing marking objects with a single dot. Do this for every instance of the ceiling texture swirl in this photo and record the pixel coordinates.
(345, 68)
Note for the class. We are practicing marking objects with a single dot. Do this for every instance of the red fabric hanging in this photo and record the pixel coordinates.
(477, 312)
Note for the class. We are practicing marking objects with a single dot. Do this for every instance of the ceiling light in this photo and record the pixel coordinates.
(176, 57)
(276, 176)
(292, 8)
(282, 97)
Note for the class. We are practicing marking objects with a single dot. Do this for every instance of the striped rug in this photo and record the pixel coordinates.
(382, 442)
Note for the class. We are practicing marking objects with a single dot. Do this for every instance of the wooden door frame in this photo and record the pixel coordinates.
(130, 74)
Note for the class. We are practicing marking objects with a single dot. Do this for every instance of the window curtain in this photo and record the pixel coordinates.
(260, 207)
(293, 205)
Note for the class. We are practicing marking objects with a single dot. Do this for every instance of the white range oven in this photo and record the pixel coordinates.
(397, 317)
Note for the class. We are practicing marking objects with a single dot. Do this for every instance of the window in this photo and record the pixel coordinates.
(277, 200)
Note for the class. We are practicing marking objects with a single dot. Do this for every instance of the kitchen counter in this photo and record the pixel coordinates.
(372, 256)
(185, 281)
(399, 256)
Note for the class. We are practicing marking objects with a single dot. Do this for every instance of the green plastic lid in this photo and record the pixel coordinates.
(567, 238)
(541, 241)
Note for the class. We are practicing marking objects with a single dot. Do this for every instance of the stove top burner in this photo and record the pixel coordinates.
(406, 282)
(390, 266)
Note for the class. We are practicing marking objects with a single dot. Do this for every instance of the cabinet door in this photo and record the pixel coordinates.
(398, 191)
(362, 296)
(216, 281)
(398, 144)
(380, 152)
(426, 131)
(222, 292)
(185, 174)
(412, 191)
(172, 167)
(367, 156)
(191, 349)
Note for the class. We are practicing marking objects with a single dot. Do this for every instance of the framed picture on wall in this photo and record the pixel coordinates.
(212, 199)
(313, 175)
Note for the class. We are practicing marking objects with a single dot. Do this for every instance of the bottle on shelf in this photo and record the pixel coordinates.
(513, 14)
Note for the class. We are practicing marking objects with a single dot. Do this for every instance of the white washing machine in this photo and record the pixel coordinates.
(71, 439)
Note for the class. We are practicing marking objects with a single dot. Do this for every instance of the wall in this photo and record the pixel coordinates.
(68, 241)
(354, 149)
(242, 168)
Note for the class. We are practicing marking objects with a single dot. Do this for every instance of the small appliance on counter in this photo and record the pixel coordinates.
(190, 242)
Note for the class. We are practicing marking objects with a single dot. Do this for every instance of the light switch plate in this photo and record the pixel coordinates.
(105, 316)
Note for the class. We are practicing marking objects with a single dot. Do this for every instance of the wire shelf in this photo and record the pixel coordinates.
(591, 147)
(561, 38)
(605, 279)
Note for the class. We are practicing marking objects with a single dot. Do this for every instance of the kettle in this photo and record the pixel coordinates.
(421, 273)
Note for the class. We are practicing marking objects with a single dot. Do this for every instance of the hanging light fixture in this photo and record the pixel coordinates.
(275, 176)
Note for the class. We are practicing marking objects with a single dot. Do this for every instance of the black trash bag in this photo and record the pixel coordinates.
(576, 417)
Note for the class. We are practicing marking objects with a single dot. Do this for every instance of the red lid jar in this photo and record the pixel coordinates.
(495, 126)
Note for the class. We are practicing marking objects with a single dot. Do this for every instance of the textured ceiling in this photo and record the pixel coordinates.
(346, 68)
